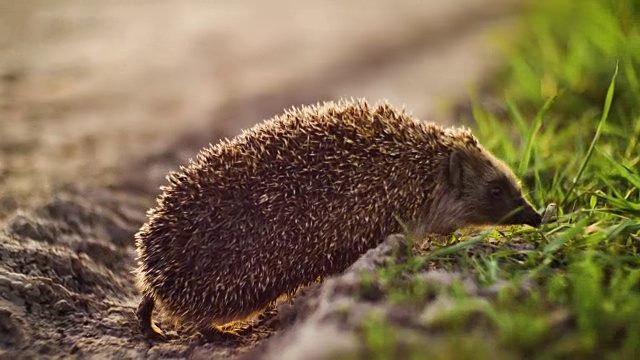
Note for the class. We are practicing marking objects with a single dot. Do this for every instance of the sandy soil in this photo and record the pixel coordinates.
(98, 100)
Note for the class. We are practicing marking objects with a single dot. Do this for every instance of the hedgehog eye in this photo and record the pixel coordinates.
(497, 192)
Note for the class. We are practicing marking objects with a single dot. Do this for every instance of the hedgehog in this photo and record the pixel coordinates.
(300, 197)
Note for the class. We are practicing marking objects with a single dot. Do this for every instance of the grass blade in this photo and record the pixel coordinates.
(566, 236)
(516, 115)
(459, 246)
(629, 174)
(603, 120)
(537, 124)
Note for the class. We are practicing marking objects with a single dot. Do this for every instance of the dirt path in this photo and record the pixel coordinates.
(109, 96)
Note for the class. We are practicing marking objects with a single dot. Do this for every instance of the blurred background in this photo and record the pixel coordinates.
(86, 86)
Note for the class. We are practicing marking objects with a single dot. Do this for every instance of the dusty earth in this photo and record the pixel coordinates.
(99, 100)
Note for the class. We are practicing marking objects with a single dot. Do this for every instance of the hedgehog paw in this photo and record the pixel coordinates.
(147, 325)
(153, 332)
(218, 333)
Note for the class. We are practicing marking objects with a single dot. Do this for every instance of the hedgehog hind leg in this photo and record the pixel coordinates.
(144, 314)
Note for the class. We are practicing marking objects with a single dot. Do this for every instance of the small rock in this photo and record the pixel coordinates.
(10, 329)
(24, 227)
(63, 307)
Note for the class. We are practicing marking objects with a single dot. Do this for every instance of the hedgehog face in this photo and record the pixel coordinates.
(489, 190)
(502, 203)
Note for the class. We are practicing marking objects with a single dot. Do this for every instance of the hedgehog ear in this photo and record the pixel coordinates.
(455, 170)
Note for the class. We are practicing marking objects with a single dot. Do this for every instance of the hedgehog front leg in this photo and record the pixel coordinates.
(144, 315)
(216, 333)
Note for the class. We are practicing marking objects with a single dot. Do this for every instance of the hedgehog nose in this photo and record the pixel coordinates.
(531, 217)
(527, 215)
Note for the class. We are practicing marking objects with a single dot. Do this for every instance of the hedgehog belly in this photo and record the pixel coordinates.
(204, 316)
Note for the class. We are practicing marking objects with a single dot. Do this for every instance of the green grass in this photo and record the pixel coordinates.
(571, 131)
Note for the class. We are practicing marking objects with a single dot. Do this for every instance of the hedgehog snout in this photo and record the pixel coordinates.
(530, 217)
(527, 215)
